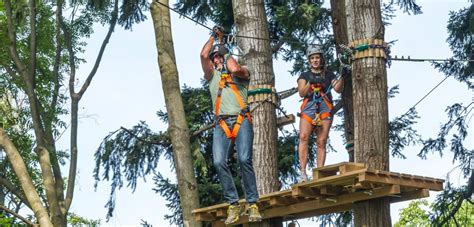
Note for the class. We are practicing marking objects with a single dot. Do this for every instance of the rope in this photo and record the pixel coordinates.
(276, 40)
(430, 59)
(238, 36)
(419, 101)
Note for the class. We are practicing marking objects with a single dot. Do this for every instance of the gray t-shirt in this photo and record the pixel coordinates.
(229, 103)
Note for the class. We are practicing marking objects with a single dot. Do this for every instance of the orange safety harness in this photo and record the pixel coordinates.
(226, 80)
(319, 96)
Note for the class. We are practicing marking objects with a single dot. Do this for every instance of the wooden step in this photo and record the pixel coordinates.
(336, 169)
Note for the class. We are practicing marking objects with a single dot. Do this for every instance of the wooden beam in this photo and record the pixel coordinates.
(204, 216)
(328, 210)
(409, 195)
(347, 177)
(322, 204)
(350, 167)
(305, 192)
(403, 181)
(282, 121)
(279, 201)
(331, 190)
(218, 223)
(222, 212)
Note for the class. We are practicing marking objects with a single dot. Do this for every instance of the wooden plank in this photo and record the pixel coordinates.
(274, 194)
(327, 210)
(204, 217)
(279, 201)
(410, 195)
(222, 212)
(394, 179)
(350, 167)
(282, 121)
(211, 208)
(318, 174)
(332, 179)
(331, 190)
(323, 204)
(330, 170)
(218, 223)
(333, 166)
(305, 192)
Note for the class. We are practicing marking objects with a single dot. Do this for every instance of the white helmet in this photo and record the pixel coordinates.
(314, 49)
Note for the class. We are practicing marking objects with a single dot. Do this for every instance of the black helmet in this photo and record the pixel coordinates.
(218, 49)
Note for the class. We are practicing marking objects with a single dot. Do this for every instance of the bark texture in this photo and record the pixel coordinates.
(370, 106)
(251, 20)
(178, 127)
(25, 180)
(339, 26)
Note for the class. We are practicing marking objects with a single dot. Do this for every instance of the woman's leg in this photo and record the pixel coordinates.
(322, 134)
(306, 129)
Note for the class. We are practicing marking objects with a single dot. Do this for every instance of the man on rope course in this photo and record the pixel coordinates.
(315, 87)
(228, 83)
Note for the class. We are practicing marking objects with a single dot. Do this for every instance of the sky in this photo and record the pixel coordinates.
(127, 89)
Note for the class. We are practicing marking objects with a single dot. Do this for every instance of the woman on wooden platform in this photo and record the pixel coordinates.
(315, 87)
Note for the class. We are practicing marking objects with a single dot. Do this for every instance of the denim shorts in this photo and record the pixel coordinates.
(311, 108)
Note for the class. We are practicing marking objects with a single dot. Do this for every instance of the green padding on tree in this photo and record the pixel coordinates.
(362, 47)
(260, 91)
(349, 146)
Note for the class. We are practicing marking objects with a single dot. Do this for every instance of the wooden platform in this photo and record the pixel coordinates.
(334, 188)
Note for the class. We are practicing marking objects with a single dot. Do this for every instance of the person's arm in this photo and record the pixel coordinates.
(206, 63)
(235, 69)
(303, 87)
(338, 85)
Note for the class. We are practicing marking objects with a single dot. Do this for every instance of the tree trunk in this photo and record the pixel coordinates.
(370, 106)
(178, 127)
(251, 20)
(25, 180)
(339, 27)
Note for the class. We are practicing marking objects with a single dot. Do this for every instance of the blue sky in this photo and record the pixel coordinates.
(127, 89)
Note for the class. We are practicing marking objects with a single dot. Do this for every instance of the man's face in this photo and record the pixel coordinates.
(218, 60)
(315, 61)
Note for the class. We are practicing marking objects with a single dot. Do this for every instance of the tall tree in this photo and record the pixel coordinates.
(364, 20)
(37, 66)
(251, 22)
(178, 127)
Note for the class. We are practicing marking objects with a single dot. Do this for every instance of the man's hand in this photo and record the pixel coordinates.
(223, 50)
(217, 31)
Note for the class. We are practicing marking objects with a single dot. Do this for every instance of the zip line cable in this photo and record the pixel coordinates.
(429, 59)
(184, 15)
(419, 101)
(210, 29)
(393, 59)
(276, 40)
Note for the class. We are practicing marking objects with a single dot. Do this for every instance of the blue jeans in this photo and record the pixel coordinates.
(222, 148)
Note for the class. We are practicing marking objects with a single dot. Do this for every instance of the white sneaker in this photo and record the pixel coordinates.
(303, 178)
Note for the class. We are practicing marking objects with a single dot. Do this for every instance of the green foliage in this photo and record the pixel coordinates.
(5, 221)
(453, 133)
(414, 215)
(419, 213)
(460, 30)
(134, 152)
(77, 221)
(50, 84)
